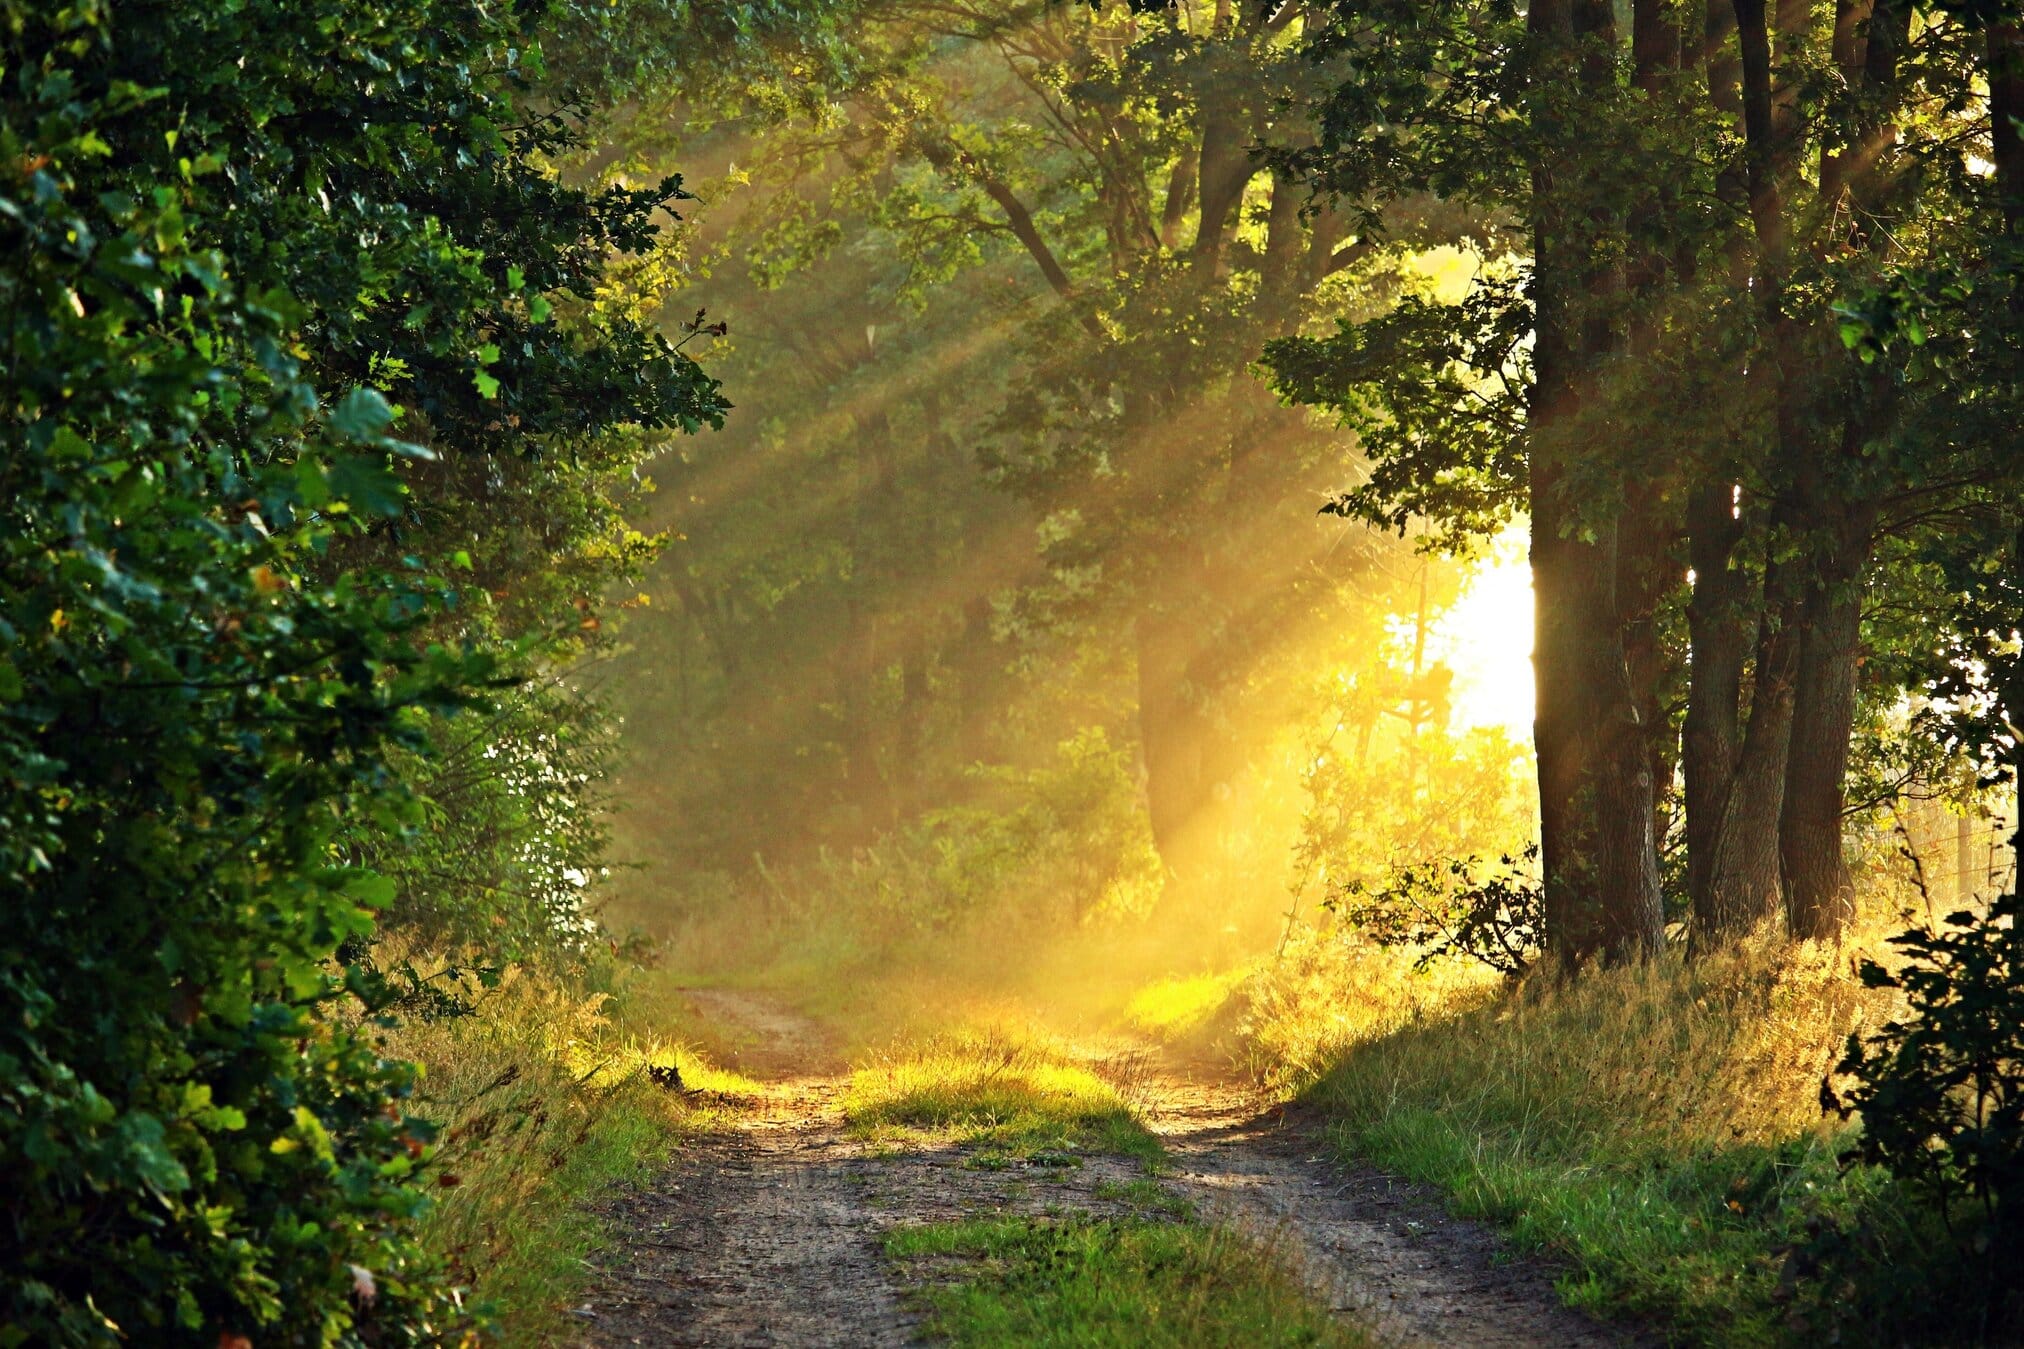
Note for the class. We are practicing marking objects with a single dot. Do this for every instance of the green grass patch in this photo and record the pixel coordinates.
(1148, 1197)
(1005, 1098)
(1025, 1282)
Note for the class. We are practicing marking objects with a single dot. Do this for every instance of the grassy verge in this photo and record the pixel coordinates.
(543, 1101)
(1660, 1130)
(1002, 1096)
(1011, 1281)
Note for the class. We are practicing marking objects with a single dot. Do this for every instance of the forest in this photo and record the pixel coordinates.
(1011, 672)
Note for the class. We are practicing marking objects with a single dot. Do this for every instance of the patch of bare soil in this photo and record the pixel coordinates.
(753, 1034)
(772, 1234)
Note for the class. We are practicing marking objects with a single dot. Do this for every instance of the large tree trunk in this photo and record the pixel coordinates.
(1744, 882)
(1560, 722)
(1284, 237)
(1838, 512)
(1227, 168)
(1180, 195)
(1624, 803)
(1598, 856)
(1645, 571)
(1717, 615)
(1624, 669)
(1819, 894)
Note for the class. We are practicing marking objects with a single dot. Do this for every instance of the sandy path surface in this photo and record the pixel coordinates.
(1384, 1253)
(772, 1233)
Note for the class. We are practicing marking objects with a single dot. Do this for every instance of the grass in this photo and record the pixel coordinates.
(543, 1102)
(1030, 1282)
(1659, 1129)
(1178, 1009)
(1000, 1095)
(1146, 1198)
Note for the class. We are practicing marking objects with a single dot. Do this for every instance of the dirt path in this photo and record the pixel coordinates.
(772, 1234)
(1383, 1252)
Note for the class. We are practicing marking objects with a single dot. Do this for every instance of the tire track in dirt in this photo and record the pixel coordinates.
(1383, 1252)
(772, 1234)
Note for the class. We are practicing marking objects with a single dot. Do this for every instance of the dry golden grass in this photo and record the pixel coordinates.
(1003, 1094)
(543, 1099)
(1660, 1127)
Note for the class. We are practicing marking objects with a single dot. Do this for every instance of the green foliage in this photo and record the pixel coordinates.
(269, 268)
(1067, 840)
(511, 830)
(1448, 908)
(973, 234)
(1940, 1087)
(1436, 394)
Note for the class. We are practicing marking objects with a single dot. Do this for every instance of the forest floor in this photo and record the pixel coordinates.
(775, 1231)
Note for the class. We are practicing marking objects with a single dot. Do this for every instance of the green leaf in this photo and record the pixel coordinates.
(366, 484)
(370, 889)
(361, 415)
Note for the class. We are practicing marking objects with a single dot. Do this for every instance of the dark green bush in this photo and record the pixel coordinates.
(283, 287)
(1941, 1088)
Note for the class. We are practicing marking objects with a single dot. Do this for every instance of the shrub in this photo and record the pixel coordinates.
(240, 247)
(1448, 908)
(512, 830)
(1940, 1088)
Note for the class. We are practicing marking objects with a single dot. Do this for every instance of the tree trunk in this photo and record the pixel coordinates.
(1180, 196)
(1598, 858)
(1819, 894)
(1716, 615)
(1227, 168)
(1283, 238)
(1621, 650)
(2006, 107)
(1172, 735)
(1560, 721)
(1624, 799)
(1839, 509)
(1745, 875)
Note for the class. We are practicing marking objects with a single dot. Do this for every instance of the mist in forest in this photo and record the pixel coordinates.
(1015, 619)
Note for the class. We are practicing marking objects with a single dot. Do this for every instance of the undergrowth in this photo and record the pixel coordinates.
(544, 1099)
(1000, 1096)
(1659, 1129)
(1032, 1282)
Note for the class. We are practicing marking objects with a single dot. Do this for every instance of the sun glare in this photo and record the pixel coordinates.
(1486, 639)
